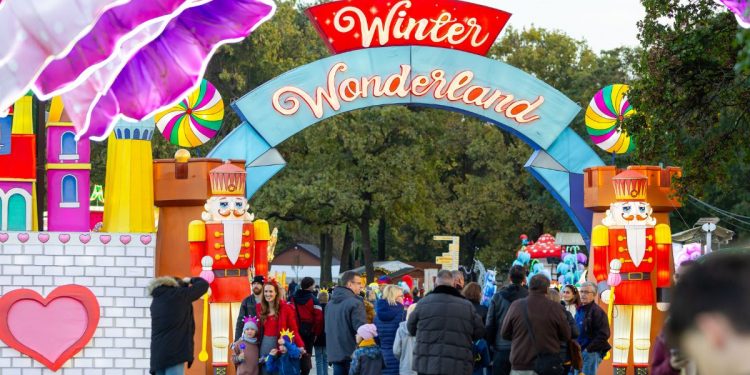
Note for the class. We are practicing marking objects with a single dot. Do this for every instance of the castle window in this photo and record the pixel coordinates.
(136, 134)
(69, 192)
(68, 146)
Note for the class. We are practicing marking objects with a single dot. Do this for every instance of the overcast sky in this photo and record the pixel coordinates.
(604, 24)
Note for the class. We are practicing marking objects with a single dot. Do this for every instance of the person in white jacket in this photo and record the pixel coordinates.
(403, 346)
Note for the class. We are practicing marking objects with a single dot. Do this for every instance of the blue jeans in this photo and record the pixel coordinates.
(341, 368)
(321, 360)
(174, 370)
(591, 362)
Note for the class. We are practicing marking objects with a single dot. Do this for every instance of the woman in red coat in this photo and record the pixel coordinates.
(275, 316)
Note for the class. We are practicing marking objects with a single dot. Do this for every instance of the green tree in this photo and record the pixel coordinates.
(692, 103)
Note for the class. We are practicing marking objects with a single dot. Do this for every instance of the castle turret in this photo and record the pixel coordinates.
(129, 187)
(68, 174)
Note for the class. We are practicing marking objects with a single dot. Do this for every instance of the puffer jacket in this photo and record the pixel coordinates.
(446, 326)
(172, 325)
(387, 319)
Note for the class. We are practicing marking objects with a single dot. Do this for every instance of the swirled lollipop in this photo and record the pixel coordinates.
(604, 116)
(194, 120)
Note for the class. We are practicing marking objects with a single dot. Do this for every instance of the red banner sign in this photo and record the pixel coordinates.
(355, 24)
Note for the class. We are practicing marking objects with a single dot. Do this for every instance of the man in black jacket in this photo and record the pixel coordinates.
(304, 304)
(499, 306)
(446, 326)
(594, 326)
(247, 307)
(345, 313)
(172, 325)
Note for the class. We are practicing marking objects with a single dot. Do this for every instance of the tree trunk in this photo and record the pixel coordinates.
(364, 229)
(41, 160)
(381, 239)
(346, 249)
(326, 257)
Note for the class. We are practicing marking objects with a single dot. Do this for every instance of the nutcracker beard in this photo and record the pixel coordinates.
(232, 239)
(636, 237)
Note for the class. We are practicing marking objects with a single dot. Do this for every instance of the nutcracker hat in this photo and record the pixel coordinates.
(630, 186)
(227, 179)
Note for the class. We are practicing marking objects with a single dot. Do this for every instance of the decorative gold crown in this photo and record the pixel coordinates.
(227, 179)
(324, 290)
(287, 335)
(630, 186)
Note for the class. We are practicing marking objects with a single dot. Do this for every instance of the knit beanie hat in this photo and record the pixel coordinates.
(251, 323)
(367, 331)
(306, 283)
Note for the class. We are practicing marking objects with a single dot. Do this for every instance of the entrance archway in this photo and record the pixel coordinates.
(446, 78)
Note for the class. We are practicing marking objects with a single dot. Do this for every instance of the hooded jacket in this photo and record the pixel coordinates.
(499, 306)
(344, 313)
(446, 326)
(403, 348)
(172, 325)
(387, 319)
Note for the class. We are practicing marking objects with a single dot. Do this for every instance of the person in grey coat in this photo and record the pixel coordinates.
(446, 326)
(344, 314)
(403, 346)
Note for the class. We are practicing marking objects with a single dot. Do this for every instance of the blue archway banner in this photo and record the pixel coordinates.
(453, 80)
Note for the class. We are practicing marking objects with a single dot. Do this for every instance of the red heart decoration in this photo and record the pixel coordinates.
(70, 315)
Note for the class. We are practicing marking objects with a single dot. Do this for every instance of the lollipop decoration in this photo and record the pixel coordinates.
(604, 117)
(194, 120)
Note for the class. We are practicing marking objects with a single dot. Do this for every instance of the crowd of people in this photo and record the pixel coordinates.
(529, 328)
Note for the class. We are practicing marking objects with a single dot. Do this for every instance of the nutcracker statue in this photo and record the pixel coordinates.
(227, 248)
(628, 247)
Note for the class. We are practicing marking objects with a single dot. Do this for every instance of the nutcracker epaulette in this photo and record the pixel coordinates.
(260, 229)
(600, 236)
(663, 234)
(196, 231)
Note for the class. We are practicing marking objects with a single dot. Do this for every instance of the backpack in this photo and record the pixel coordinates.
(318, 323)
(306, 319)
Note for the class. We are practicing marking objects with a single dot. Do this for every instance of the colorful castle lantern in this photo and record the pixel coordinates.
(18, 168)
(129, 187)
(68, 174)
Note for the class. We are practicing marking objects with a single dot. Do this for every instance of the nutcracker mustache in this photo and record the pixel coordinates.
(634, 217)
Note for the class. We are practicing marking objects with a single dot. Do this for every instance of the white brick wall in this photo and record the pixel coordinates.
(116, 273)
